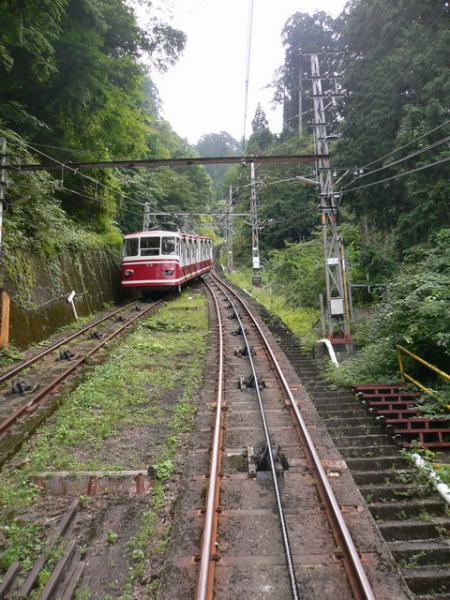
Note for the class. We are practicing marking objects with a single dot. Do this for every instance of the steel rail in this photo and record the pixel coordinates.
(357, 577)
(284, 531)
(33, 359)
(30, 405)
(205, 580)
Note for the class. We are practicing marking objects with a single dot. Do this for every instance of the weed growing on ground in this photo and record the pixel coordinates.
(128, 390)
(9, 356)
(413, 561)
(300, 320)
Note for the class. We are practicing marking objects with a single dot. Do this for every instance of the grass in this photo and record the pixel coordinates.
(300, 320)
(129, 390)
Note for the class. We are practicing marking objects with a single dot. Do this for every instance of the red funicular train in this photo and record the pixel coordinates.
(164, 259)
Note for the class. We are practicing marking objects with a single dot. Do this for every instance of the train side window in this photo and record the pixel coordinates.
(168, 245)
(150, 246)
(131, 247)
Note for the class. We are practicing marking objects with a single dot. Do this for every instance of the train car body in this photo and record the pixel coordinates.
(164, 259)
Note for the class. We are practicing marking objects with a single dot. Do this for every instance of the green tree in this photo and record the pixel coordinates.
(398, 73)
(217, 144)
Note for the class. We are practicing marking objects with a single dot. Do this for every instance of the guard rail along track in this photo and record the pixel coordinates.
(43, 373)
(349, 581)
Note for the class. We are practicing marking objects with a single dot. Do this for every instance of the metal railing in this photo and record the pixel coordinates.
(406, 376)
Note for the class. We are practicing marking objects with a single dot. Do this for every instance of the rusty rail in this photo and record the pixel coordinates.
(205, 580)
(355, 571)
(31, 404)
(33, 359)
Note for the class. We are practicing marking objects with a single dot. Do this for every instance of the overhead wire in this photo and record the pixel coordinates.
(75, 171)
(398, 176)
(94, 199)
(405, 158)
(247, 75)
(417, 139)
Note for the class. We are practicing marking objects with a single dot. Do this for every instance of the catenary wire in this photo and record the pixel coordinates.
(399, 175)
(417, 139)
(247, 76)
(75, 171)
(405, 158)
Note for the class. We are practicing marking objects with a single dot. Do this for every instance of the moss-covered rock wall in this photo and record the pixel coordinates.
(38, 286)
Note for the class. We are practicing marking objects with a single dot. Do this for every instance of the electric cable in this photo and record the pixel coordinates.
(75, 171)
(247, 76)
(417, 139)
(408, 157)
(399, 175)
(66, 189)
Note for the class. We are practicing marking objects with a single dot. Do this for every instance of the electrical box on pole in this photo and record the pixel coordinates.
(337, 316)
(256, 264)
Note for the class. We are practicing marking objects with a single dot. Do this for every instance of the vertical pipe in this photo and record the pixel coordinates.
(4, 328)
(322, 316)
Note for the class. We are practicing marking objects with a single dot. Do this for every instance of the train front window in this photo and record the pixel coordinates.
(168, 245)
(131, 247)
(150, 246)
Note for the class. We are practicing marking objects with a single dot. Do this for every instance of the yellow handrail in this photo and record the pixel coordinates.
(404, 375)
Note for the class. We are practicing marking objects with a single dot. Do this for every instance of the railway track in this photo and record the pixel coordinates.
(28, 390)
(271, 523)
(411, 516)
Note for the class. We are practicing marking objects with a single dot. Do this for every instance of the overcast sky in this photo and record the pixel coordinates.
(204, 92)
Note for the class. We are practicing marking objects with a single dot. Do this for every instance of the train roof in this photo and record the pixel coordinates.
(155, 233)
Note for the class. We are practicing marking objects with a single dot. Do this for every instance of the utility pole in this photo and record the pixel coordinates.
(230, 230)
(147, 217)
(5, 300)
(256, 264)
(300, 97)
(337, 315)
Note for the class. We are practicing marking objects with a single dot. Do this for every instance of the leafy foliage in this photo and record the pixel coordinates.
(217, 144)
(73, 84)
(297, 272)
(414, 314)
(398, 74)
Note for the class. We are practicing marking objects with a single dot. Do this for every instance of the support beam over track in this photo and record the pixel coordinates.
(146, 163)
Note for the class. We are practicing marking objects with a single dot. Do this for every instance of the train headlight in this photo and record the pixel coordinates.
(168, 272)
(128, 272)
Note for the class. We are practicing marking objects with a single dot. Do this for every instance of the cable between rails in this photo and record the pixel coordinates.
(284, 531)
(364, 589)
